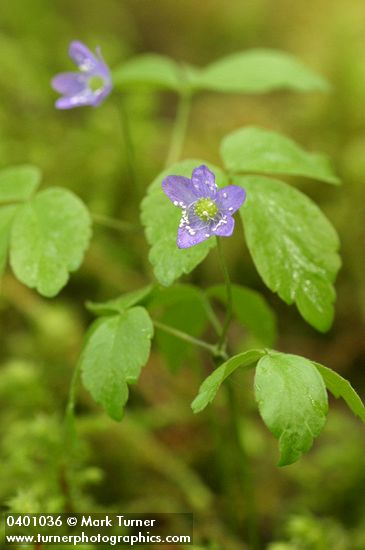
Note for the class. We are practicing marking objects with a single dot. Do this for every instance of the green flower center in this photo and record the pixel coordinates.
(95, 83)
(206, 209)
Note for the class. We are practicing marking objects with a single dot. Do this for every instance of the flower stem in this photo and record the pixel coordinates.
(243, 467)
(70, 407)
(113, 223)
(128, 144)
(235, 418)
(188, 338)
(179, 130)
(216, 324)
(223, 336)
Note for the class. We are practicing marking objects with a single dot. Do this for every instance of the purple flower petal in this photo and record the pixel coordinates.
(88, 87)
(179, 190)
(78, 100)
(69, 83)
(224, 229)
(185, 239)
(82, 56)
(206, 211)
(204, 181)
(230, 198)
(103, 69)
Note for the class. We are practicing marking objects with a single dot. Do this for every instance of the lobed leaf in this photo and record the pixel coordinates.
(164, 297)
(292, 400)
(48, 240)
(116, 349)
(251, 309)
(161, 219)
(209, 388)
(259, 71)
(340, 387)
(257, 150)
(151, 70)
(293, 246)
(18, 183)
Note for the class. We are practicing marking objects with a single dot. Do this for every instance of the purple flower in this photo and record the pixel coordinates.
(89, 86)
(206, 210)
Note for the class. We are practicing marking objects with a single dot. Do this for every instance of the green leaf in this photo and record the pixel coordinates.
(49, 237)
(257, 150)
(293, 246)
(340, 387)
(161, 220)
(259, 71)
(209, 388)
(164, 297)
(116, 349)
(152, 70)
(181, 307)
(7, 214)
(18, 183)
(251, 309)
(292, 400)
(120, 304)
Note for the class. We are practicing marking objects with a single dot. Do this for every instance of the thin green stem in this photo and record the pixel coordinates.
(11, 203)
(179, 130)
(211, 314)
(188, 338)
(70, 407)
(235, 418)
(243, 466)
(113, 223)
(70, 439)
(128, 143)
(222, 339)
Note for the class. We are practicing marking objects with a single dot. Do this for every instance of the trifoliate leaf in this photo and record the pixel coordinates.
(120, 304)
(340, 387)
(209, 388)
(293, 246)
(161, 220)
(251, 309)
(292, 400)
(18, 183)
(257, 150)
(259, 71)
(49, 237)
(116, 349)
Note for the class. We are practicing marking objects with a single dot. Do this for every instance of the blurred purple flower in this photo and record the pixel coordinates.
(206, 210)
(89, 86)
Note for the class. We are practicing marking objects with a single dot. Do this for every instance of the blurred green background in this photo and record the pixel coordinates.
(161, 457)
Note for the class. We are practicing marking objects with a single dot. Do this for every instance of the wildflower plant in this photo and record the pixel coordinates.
(187, 211)
(90, 85)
